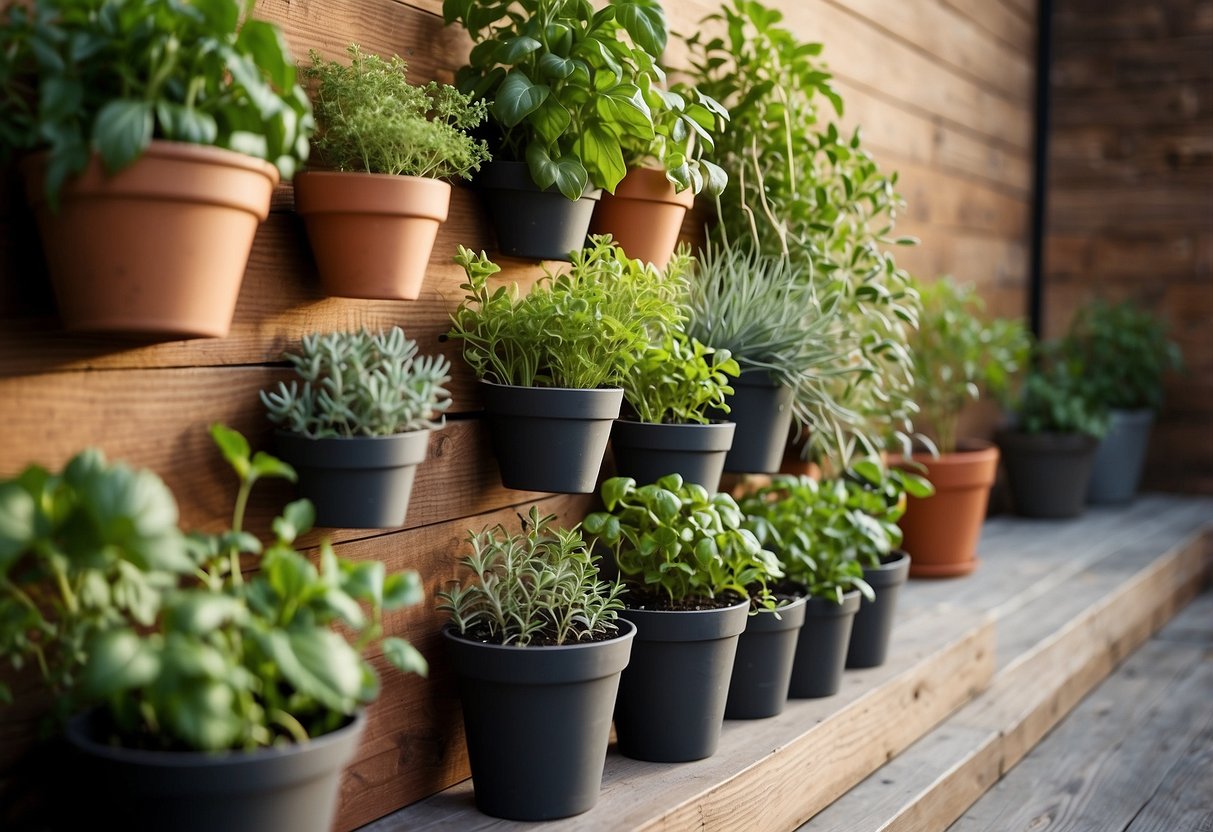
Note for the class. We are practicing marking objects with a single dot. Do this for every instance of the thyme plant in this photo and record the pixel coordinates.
(677, 380)
(360, 384)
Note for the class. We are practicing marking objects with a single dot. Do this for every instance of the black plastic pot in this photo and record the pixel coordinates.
(358, 482)
(762, 411)
(537, 721)
(293, 787)
(647, 452)
(821, 651)
(550, 438)
(1048, 473)
(873, 623)
(763, 668)
(672, 695)
(533, 223)
(1120, 458)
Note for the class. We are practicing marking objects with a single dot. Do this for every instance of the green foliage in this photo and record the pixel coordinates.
(685, 122)
(677, 380)
(1123, 352)
(1054, 397)
(111, 75)
(676, 540)
(578, 329)
(360, 384)
(372, 119)
(537, 587)
(958, 353)
(99, 587)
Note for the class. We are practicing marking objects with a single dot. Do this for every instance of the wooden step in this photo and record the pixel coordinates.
(1052, 607)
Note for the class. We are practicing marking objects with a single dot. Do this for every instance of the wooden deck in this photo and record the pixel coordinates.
(980, 669)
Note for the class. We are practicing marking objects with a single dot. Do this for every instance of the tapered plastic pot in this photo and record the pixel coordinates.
(647, 452)
(532, 223)
(1048, 473)
(290, 787)
(941, 532)
(821, 650)
(537, 721)
(762, 670)
(358, 482)
(157, 249)
(371, 234)
(644, 215)
(762, 411)
(873, 625)
(550, 438)
(1120, 458)
(673, 693)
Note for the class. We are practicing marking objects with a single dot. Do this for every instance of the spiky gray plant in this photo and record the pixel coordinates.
(360, 384)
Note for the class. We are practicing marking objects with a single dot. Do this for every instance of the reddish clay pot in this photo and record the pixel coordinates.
(644, 215)
(371, 233)
(158, 248)
(941, 531)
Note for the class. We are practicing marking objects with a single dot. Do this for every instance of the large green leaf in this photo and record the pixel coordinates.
(320, 664)
(551, 120)
(602, 155)
(122, 131)
(202, 713)
(118, 660)
(199, 611)
(405, 657)
(16, 523)
(517, 98)
(645, 22)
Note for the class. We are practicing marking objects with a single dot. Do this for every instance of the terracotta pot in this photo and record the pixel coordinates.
(941, 531)
(158, 248)
(644, 215)
(372, 234)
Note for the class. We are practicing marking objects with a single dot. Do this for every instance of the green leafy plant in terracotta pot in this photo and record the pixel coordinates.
(359, 424)
(550, 362)
(158, 131)
(959, 354)
(1124, 353)
(220, 700)
(390, 145)
(538, 647)
(693, 575)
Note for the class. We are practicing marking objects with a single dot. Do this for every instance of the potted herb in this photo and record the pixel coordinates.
(223, 701)
(538, 649)
(669, 389)
(158, 132)
(690, 569)
(550, 362)
(372, 219)
(959, 354)
(360, 424)
(1124, 353)
(565, 84)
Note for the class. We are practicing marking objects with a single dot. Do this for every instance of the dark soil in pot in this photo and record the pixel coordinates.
(821, 651)
(533, 223)
(647, 452)
(873, 625)
(762, 670)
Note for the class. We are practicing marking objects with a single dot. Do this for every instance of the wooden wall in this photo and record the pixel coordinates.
(942, 88)
(1130, 197)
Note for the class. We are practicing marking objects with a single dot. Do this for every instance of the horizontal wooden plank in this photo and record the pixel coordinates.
(1146, 208)
(1002, 21)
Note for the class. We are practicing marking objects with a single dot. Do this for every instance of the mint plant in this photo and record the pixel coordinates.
(678, 380)
(1054, 396)
(538, 587)
(360, 384)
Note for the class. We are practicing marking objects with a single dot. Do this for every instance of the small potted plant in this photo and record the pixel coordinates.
(155, 151)
(360, 424)
(550, 362)
(219, 700)
(538, 649)
(1124, 353)
(689, 568)
(669, 389)
(565, 84)
(373, 217)
(958, 354)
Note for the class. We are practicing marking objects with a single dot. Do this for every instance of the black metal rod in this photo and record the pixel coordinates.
(1040, 169)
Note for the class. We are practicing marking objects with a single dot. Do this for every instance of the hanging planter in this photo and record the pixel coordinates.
(647, 452)
(532, 222)
(873, 625)
(762, 670)
(762, 411)
(644, 216)
(821, 650)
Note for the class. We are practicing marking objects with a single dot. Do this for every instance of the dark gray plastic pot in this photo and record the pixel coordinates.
(533, 223)
(647, 452)
(873, 623)
(1120, 458)
(358, 482)
(763, 668)
(550, 438)
(672, 696)
(537, 721)
(762, 411)
(293, 787)
(821, 651)
(1048, 473)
